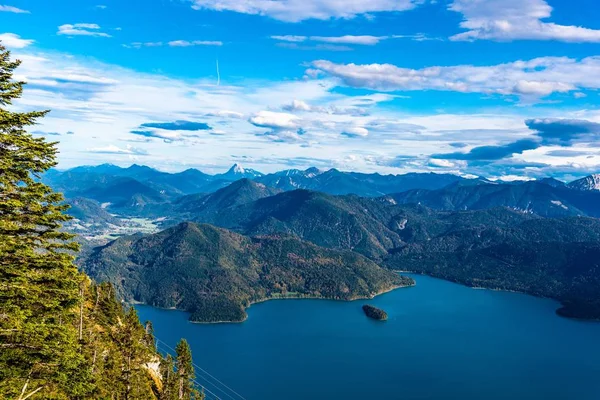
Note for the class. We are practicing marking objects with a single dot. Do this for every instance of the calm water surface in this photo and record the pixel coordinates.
(442, 341)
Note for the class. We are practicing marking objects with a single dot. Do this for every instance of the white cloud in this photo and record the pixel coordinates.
(112, 149)
(12, 9)
(441, 163)
(355, 131)
(167, 136)
(534, 78)
(506, 20)
(299, 10)
(541, 88)
(282, 136)
(81, 29)
(104, 103)
(512, 178)
(350, 39)
(298, 105)
(139, 45)
(418, 37)
(274, 120)
(325, 47)
(14, 41)
(337, 109)
(290, 38)
(366, 40)
(174, 43)
(186, 43)
(226, 114)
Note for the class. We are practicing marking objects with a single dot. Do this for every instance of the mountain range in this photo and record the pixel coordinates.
(547, 197)
(539, 237)
(591, 182)
(140, 190)
(77, 181)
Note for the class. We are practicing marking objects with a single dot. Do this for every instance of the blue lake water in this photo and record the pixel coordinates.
(441, 341)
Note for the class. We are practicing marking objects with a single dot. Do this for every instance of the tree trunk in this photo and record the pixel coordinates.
(180, 388)
(97, 298)
(128, 389)
(94, 360)
(81, 312)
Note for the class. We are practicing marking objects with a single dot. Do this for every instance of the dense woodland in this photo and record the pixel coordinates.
(61, 335)
(559, 259)
(215, 273)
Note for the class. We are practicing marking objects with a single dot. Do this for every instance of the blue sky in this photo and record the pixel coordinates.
(500, 88)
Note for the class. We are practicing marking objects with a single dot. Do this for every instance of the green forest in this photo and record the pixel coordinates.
(63, 336)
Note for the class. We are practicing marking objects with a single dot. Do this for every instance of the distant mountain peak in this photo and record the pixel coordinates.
(589, 183)
(248, 185)
(236, 169)
(237, 172)
(140, 167)
(313, 171)
(552, 182)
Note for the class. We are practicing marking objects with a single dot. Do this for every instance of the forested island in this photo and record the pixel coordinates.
(374, 312)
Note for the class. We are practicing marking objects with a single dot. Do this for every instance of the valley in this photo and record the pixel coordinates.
(215, 253)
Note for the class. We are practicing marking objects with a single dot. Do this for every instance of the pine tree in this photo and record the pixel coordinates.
(185, 372)
(169, 379)
(39, 284)
(116, 348)
(132, 345)
(149, 335)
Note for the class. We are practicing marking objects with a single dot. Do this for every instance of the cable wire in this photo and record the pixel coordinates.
(207, 373)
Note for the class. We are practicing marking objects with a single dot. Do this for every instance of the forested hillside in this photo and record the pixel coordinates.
(62, 336)
(502, 249)
(215, 274)
(364, 225)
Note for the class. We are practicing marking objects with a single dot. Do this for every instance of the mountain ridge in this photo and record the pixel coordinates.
(588, 183)
(332, 181)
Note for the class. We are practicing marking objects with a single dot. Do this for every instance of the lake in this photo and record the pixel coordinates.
(441, 341)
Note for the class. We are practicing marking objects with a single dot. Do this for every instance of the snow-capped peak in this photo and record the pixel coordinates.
(312, 172)
(237, 169)
(591, 182)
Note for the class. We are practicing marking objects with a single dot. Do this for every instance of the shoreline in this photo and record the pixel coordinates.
(295, 297)
(496, 289)
(307, 297)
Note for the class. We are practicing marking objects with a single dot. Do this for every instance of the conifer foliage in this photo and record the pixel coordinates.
(61, 335)
(185, 372)
(39, 284)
